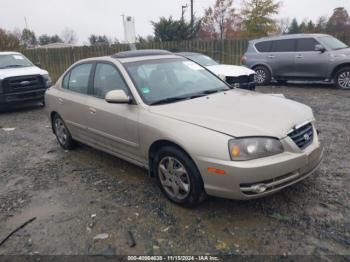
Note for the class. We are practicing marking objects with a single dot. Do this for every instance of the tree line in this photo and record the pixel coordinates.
(221, 21)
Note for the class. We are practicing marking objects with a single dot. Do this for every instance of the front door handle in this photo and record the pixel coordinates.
(92, 111)
(299, 56)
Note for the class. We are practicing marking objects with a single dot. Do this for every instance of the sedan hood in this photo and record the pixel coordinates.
(230, 70)
(240, 113)
(21, 71)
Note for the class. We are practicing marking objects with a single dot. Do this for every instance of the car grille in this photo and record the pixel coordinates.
(237, 80)
(240, 79)
(252, 78)
(303, 136)
(23, 83)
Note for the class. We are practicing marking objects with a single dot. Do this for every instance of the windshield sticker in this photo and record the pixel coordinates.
(18, 57)
(193, 65)
(145, 90)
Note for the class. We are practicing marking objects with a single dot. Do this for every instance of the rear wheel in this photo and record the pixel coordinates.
(342, 79)
(262, 76)
(178, 177)
(61, 131)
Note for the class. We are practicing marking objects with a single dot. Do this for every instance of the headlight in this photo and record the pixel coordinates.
(253, 148)
(48, 81)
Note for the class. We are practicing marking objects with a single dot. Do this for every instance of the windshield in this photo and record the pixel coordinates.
(203, 60)
(332, 43)
(171, 80)
(14, 60)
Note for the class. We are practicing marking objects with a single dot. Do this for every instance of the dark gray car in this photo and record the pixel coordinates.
(312, 57)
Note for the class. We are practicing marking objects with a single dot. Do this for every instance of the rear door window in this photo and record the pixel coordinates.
(306, 44)
(79, 78)
(285, 45)
(263, 47)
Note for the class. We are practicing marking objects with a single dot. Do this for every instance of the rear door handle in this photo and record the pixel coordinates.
(271, 56)
(92, 111)
(60, 101)
(299, 56)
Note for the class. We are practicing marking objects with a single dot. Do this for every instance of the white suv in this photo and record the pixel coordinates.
(21, 82)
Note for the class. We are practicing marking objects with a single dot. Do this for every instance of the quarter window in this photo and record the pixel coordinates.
(107, 78)
(65, 82)
(263, 47)
(306, 44)
(286, 45)
(79, 78)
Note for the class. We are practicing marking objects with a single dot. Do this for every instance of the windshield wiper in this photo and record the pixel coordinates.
(208, 92)
(9, 66)
(169, 100)
(190, 96)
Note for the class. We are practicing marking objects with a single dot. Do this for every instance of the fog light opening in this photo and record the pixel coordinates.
(261, 188)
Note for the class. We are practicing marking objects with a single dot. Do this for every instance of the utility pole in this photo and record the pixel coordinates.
(25, 21)
(192, 14)
(183, 11)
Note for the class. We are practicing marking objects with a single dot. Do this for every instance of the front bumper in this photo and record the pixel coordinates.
(242, 180)
(247, 86)
(22, 97)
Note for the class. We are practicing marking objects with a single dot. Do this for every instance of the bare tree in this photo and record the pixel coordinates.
(219, 21)
(283, 25)
(69, 36)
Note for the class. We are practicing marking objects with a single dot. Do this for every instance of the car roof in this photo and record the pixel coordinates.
(290, 36)
(143, 55)
(140, 53)
(9, 53)
(188, 54)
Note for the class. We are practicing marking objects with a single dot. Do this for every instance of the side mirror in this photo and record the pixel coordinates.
(118, 97)
(320, 48)
(37, 64)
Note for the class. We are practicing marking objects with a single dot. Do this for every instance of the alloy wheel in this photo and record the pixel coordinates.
(344, 80)
(61, 131)
(174, 178)
(260, 76)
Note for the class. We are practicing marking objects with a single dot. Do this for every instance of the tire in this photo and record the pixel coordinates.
(342, 79)
(180, 181)
(62, 133)
(263, 75)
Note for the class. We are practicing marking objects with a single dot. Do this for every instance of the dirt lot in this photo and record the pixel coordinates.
(65, 190)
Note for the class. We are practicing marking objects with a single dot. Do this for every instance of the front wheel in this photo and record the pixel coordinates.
(61, 131)
(178, 177)
(342, 79)
(262, 76)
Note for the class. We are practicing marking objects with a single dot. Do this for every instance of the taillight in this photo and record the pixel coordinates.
(243, 60)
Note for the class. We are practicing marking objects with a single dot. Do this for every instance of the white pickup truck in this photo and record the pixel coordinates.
(21, 82)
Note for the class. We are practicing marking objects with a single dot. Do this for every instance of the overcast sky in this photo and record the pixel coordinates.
(104, 16)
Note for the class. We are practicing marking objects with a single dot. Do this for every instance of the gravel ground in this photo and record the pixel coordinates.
(80, 194)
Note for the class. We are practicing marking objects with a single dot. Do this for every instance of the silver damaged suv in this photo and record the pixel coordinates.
(315, 57)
